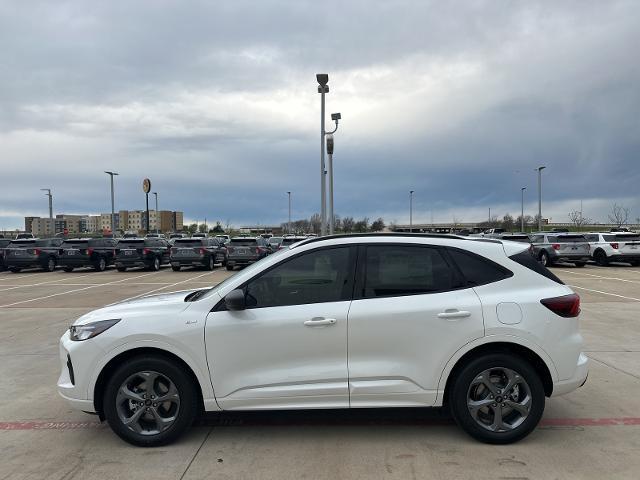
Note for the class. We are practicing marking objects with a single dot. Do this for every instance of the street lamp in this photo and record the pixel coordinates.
(156, 194)
(323, 79)
(522, 209)
(289, 224)
(411, 211)
(48, 194)
(539, 169)
(113, 212)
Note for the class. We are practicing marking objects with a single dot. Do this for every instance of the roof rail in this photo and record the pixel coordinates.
(393, 234)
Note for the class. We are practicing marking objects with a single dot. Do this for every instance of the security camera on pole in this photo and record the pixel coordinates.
(323, 88)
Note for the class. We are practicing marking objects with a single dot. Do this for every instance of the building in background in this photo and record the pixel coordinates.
(27, 224)
(43, 227)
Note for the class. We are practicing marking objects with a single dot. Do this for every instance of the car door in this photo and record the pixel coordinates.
(288, 348)
(409, 315)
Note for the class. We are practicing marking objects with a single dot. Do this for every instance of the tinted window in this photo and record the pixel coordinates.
(527, 260)
(628, 238)
(591, 238)
(405, 270)
(477, 270)
(243, 241)
(567, 239)
(22, 243)
(315, 277)
(4, 242)
(537, 239)
(130, 244)
(187, 242)
(75, 244)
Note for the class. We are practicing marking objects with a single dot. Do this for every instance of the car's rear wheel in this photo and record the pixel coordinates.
(497, 398)
(635, 263)
(211, 265)
(544, 258)
(100, 265)
(156, 264)
(150, 401)
(51, 265)
(601, 258)
(175, 268)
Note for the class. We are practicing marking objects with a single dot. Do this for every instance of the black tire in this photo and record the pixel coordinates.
(14, 270)
(544, 258)
(155, 266)
(50, 266)
(184, 414)
(68, 269)
(229, 267)
(175, 268)
(463, 385)
(601, 258)
(634, 263)
(579, 264)
(121, 269)
(211, 263)
(100, 265)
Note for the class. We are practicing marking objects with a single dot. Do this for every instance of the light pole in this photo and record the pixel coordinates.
(289, 224)
(539, 169)
(113, 210)
(156, 194)
(48, 194)
(323, 79)
(411, 211)
(522, 209)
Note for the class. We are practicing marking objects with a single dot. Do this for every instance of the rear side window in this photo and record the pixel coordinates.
(392, 270)
(478, 270)
(591, 238)
(527, 260)
(628, 238)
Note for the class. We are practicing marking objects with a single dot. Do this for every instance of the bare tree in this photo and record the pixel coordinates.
(507, 222)
(578, 219)
(347, 224)
(378, 225)
(619, 215)
(315, 222)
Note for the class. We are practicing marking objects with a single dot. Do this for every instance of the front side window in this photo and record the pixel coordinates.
(315, 277)
(405, 270)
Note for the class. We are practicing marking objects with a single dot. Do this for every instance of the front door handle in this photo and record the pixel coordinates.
(453, 314)
(320, 322)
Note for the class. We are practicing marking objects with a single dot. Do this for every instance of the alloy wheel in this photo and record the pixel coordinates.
(499, 399)
(148, 403)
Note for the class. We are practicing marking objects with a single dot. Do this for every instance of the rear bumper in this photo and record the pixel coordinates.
(578, 379)
(188, 261)
(24, 263)
(571, 258)
(241, 260)
(621, 257)
(75, 262)
(133, 263)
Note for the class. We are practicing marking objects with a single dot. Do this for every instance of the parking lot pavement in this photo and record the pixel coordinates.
(591, 433)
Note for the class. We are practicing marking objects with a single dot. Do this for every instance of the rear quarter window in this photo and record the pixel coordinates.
(477, 270)
(527, 260)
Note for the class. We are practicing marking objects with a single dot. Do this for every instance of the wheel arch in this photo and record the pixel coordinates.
(532, 357)
(110, 367)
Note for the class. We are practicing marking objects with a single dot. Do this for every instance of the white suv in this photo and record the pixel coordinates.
(384, 320)
(614, 247)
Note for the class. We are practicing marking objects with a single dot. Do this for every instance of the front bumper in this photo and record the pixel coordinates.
(578, 379)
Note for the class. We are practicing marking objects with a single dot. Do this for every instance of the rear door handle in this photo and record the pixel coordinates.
(320, 322)
(453, 314)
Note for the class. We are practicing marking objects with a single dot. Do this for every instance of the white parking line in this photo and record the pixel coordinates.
(166, 286)
(47, 283)
(600, 276)
(77, 290)
(605, 293)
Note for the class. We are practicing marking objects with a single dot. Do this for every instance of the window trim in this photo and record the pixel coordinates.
(359, 294)
(221, 306)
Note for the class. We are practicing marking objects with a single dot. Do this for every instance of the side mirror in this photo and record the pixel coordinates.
(235, 300)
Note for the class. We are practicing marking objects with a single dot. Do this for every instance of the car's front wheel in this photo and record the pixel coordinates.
(544, 258)
(156, 264)
(150, 401)
(497, 398)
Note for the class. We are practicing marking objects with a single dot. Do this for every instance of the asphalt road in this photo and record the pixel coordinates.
(591, 433)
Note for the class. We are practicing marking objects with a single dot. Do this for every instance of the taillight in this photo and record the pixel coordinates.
(203, 251)
(614, 245)
(89, 251)
(36, 251)
(258, 250)
(566, 306)
(555, 246)
(146, 251)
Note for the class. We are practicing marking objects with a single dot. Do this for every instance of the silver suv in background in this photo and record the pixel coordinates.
(614, 247)
(550, 248)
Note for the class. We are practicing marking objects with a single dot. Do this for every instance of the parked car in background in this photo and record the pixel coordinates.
(177, 235)
(199, 235)
(515, 237)
(274, 243)
(288, 241)
(550, 248)
(479, 327)
(32, 253)
(614, 247)
(3, 244)
(242, 251)
(197, 252)
(150, 253)
(155, 235)
(97, 253)
(130, 235)
(223, 238)
(21, 236)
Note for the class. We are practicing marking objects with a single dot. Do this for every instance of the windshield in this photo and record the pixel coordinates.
(187, 243)
(75, 243)
(243, 241)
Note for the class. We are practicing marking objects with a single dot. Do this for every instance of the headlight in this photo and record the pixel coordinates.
(79, 333)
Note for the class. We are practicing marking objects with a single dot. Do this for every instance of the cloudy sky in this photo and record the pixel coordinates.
(216, 102)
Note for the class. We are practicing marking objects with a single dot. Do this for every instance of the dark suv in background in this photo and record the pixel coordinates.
(32, 253)
(246, 250)
(98, 253)
(4, 242)
(197, 252)
(150, 253)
